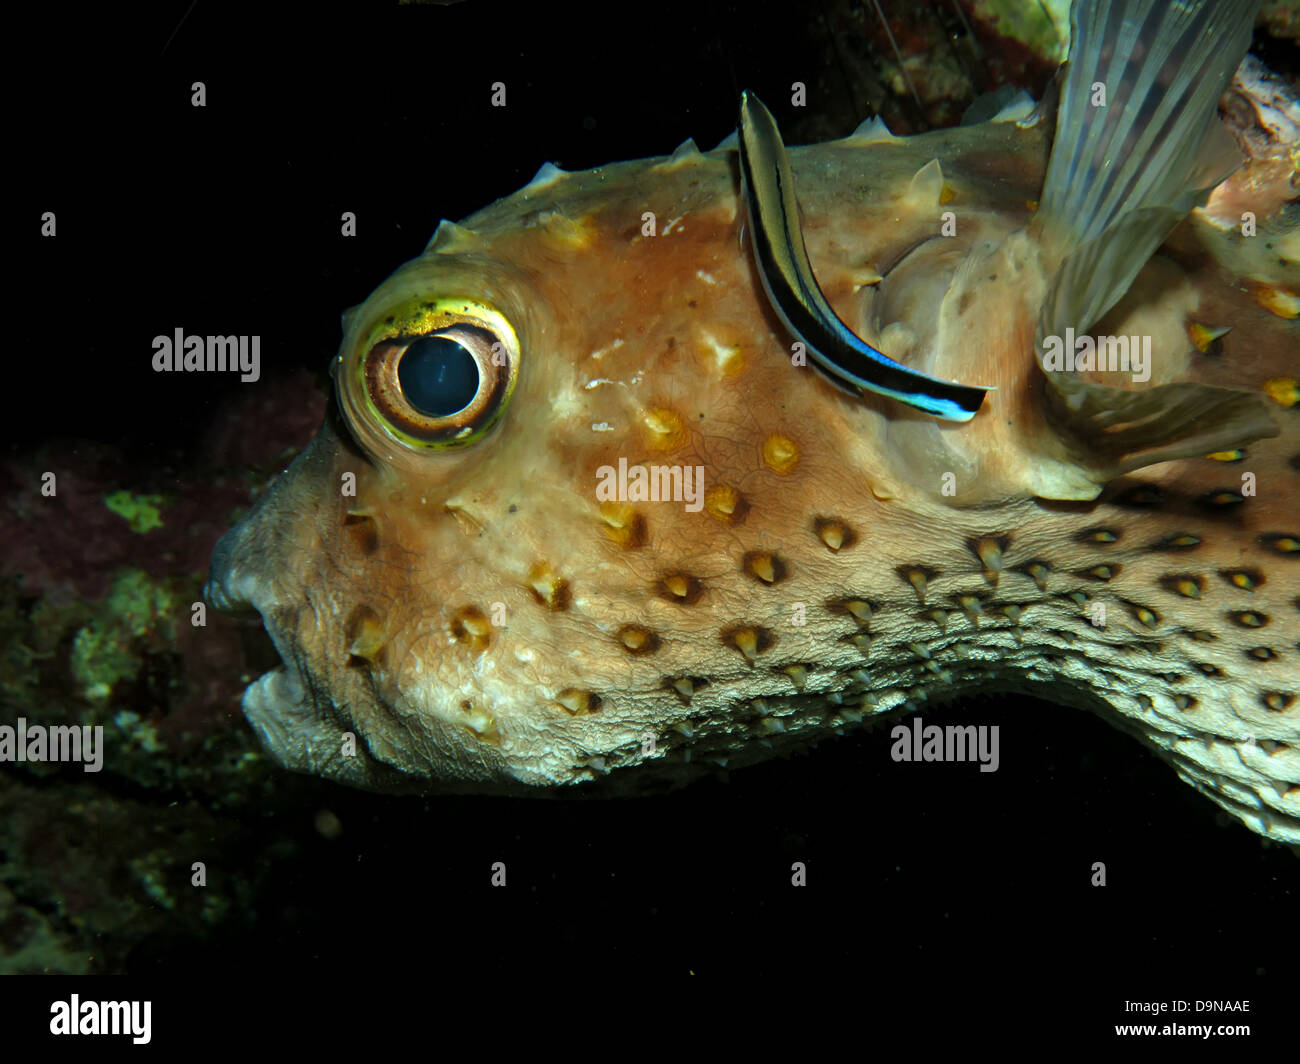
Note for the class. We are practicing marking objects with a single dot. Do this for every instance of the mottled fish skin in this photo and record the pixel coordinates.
(922, 557)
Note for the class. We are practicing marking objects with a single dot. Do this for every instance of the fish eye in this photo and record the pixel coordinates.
(433, 375)
(438, 387)
(438, 375)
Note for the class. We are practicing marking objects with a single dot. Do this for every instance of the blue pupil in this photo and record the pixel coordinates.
(438, 376)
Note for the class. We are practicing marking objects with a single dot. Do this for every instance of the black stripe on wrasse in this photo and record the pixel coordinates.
(793, 291)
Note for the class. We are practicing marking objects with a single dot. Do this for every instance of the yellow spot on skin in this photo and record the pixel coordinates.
(864, 275)
(369, 641)
(722, 352)
(947, 195)
(1228, 456)
(470, 626)
(990, 556)
(680, 588)
(724, 503)
(574, 700)
(1283, 390)
(678, 585)
(1187, 588)
(623, 524)
(749, 641)
(550, 590)
(664, 428)
(860, 610)
(917, 579)
(798, 674)
(638, 640)
(1203, 336)
(765, 566)
(1277, 300)
(468, 524)
(780, 453)
(834, 533)
(564, 231)
(481, 724)
(475, 623)
(1038, 573)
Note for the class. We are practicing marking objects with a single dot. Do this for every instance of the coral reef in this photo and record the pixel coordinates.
(101, 625)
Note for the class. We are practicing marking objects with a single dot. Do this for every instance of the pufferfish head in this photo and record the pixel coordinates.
(454, 597)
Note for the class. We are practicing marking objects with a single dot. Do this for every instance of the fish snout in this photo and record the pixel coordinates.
(227, 589)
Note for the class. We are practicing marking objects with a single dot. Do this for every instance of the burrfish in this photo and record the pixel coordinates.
(692, 460)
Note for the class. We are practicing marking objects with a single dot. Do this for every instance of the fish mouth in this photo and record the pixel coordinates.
(249, 580)
(290, 712)
(236, 590)
(292, 707)
(252, 579)
(223, 594)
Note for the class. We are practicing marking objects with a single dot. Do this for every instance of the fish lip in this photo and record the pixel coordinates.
(277, 703)
(238, 591)
(220, 590)
(223, 600)
(272, 704)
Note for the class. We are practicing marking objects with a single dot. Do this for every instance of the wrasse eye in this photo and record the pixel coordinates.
(431, 375)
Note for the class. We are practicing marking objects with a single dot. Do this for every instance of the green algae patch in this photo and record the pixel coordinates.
(141, 512)
(108, 649)
(1043, 28)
